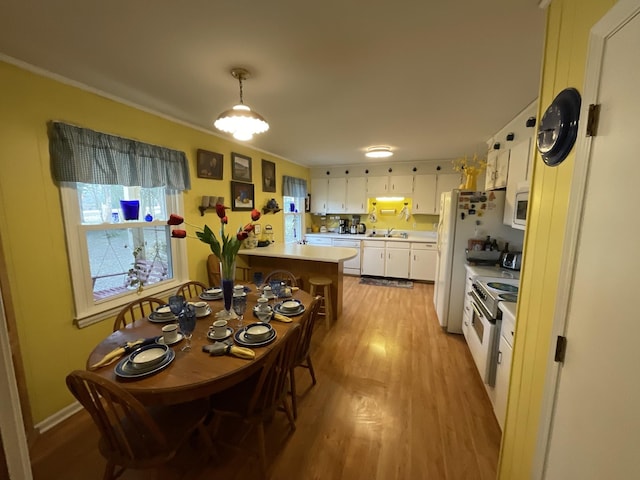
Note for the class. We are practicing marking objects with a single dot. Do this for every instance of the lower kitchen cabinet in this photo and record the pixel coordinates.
(423, 261)
(501, 388)
(351, 266)
(372, 258)
(397, 260)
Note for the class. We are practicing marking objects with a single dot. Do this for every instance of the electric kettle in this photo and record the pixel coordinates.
(362, 228)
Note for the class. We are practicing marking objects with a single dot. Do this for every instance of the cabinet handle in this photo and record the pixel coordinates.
(499, 357)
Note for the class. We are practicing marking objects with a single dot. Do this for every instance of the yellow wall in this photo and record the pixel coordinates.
(33, 233)
(568, 26)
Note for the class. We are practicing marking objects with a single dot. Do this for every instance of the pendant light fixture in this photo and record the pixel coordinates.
(379, 152)
(241, 121)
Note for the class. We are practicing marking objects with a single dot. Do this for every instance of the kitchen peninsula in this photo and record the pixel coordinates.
(304, 261)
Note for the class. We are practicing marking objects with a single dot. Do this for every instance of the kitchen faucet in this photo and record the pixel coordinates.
(389, 230)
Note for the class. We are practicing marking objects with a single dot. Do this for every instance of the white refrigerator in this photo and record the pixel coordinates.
(465, 215)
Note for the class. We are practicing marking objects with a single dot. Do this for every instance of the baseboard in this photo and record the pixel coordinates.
(58, 417)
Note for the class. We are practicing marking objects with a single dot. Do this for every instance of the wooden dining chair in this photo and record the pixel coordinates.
(133, 436)
(191, 289)
(302, 356)
(213, 270)
(255, 400)
(282, 275)
(139, 308)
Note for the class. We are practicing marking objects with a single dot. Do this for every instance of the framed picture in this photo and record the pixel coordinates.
(240, 167)
(268, 176)
(307, 203)
(209, 164)
(242, 196)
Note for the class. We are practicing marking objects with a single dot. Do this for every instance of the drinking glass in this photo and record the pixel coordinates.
(239, 306)
(176, 304)
(276, 286)
(187, 322)
(258, 278)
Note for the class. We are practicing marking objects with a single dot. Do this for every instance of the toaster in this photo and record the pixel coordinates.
(512, 261)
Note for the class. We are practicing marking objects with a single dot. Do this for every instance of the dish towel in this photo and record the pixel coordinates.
(115, 354)
(405, 214)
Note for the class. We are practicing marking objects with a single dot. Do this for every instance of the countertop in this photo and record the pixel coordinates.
(486, 271)
(428, 237)
(509, 308)
(302, 252)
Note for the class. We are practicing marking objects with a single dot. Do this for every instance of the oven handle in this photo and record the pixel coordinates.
(480, 309)
(477, 310)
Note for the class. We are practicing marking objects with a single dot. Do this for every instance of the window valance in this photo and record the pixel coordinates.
(294, 187)
(83, 155)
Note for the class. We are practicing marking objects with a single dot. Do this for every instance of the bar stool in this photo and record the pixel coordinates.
(325, 284)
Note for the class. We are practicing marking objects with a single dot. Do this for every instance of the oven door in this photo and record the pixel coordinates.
(481, 340)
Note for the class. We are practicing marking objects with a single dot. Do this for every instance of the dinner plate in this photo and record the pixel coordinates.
(210, 335)
(205, 314)
(207, 296)
(124, 369)
(160, 340)
(289, 313)
(154, 318)
(241, 340)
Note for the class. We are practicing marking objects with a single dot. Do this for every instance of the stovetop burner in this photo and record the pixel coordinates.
(505, 287)
(508, 297)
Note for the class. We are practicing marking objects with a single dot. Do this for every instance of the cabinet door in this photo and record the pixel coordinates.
(319, 189)
(492, 167)
(445, 183)
(373, 261)
(400, 185)
(356, 195)
(423, 264)
(397, 262)
(502, 169)
(518, 167)
(424, 194)
(502, 381)
(377, 185)
(336, 195)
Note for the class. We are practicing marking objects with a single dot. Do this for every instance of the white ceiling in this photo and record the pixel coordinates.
(432, 79)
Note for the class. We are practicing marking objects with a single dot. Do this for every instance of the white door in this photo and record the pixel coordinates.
(595, 424)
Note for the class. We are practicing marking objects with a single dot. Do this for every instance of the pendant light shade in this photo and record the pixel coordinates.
(379, 152)
(241, 121)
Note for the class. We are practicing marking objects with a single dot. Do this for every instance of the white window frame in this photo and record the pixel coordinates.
(87, 310)
(299, 214)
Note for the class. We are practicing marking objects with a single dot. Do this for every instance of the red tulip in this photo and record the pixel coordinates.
(220, 210)
(175, 219)
(242, 235)
(178, 233)
(224, 219)
(255, 214)
(249, 227)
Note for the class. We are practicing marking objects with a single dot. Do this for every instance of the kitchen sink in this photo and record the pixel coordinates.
(388, 235)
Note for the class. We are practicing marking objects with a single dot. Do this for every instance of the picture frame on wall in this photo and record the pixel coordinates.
(209, 164)
(242, 196)
(240, 167)
(268, 176)
(307, 203)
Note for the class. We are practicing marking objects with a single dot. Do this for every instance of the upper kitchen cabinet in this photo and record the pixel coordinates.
(445, 183)
(390, 185)
(519, 172)
(319, 191)
(497, 169)
(356, 195)
(428, 188)
(336, 195)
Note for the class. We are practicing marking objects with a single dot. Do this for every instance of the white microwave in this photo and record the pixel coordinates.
(520, 206)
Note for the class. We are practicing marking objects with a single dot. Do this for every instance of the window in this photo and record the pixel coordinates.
(293, 219)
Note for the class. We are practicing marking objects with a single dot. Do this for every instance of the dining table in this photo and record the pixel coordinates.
(193, 373)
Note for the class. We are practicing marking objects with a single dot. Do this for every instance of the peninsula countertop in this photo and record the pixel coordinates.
(302, 252)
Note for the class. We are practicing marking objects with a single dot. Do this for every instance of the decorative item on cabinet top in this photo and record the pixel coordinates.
(271, 206)
(209, 202)
(471, 169)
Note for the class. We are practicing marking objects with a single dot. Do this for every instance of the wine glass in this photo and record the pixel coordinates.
(258, 278)
(239, 307)
(176, 304)
(187, 322)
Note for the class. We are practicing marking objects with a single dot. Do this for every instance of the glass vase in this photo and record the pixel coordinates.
(227, 277)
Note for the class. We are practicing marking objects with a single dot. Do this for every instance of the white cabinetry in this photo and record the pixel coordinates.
(467, 310)
(319, 190)
(372, 258)
(390, 185)
(424, 195)
(423, 261)
(351, 266)
(518, 173)
(497, 169)
(336, 195)
(445, 183)
(397, 256)
(318, 240)
(356, 195)
(505, 352)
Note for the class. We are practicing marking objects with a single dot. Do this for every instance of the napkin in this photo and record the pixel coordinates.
(223, 348)
(115, 354)
(281, 318)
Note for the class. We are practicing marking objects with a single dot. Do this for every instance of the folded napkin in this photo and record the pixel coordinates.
(115, 354)
(224, 348)
(281, 318)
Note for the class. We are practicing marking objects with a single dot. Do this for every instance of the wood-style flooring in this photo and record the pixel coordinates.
(397, 399)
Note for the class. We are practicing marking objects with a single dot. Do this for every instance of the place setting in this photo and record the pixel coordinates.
(211, 294)
(289, 308)
(219, 331)
(255, 335)
(144, 361)
(162, 315)
(202, 309)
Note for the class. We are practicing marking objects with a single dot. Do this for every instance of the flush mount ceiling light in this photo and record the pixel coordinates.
(241, 121)
(379, 152)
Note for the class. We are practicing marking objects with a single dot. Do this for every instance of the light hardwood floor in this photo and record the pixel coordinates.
(396, 399)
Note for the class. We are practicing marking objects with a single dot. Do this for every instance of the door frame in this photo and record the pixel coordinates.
(620, 14)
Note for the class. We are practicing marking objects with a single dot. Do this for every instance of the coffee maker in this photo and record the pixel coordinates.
(343, 226)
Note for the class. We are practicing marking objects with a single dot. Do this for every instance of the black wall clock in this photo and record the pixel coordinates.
(558, 128)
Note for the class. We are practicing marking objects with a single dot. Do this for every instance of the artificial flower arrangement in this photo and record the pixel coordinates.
(471, 168)
(228, 249)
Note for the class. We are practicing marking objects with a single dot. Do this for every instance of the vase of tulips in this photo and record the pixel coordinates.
(225, 249)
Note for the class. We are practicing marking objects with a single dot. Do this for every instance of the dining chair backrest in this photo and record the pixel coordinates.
(191, 289)
(130, 436)
(271, 386)
(139, 308)
(213, 270)
(307, 324)
(282, 275)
